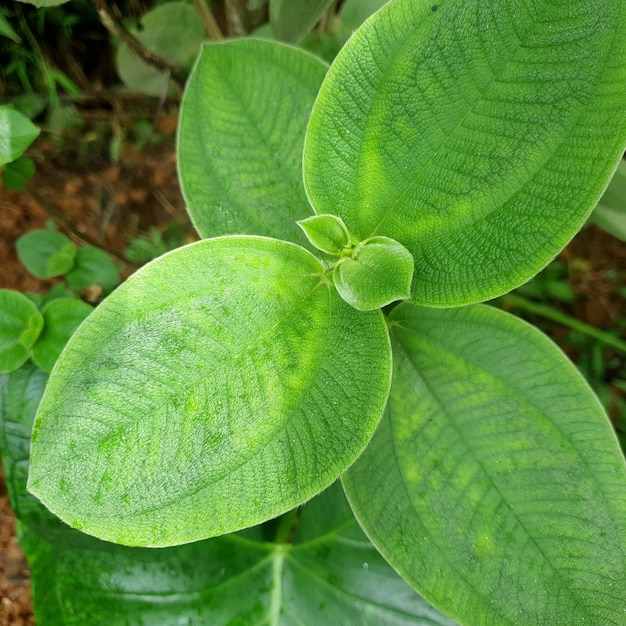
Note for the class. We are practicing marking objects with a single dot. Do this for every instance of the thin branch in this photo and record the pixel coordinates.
(114, 25)
(211, 27)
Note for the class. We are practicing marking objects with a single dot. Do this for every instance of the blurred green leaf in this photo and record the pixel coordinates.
(291, 20)
(93, 266)
(610, 214)
(6, 30)
(45, 253)
(17, 132)
(16, 174)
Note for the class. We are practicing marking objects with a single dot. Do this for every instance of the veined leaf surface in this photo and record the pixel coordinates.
(494, 483)
(242, 126)
(210, 403)
(479, 135)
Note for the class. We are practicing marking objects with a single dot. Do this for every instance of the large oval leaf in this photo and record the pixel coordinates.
(242, 127)
(479, 135)
(222, 384)
(494, 483)
(330, 575)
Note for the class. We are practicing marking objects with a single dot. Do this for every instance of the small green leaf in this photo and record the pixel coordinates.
(610, 214)
(45, 253)
(20, 325)
(16, 174)
(17, 132)
(327, 233)
(61, 318)
(479, 135)
(242, 126)
(92, 266)
(173, 31)
(291, 20)
(184, 409)
(378, 273)
(494, 483)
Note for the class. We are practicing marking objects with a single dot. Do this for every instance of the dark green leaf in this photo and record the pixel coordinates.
(494, 483)
(20, 325)
(92, 266)
(45, 253)
(61, 318)
(479, 135)
(16, 174)
(242, 126)
(222, 384)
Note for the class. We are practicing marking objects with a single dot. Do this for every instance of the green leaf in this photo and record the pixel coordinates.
(327, 233)
(6, 30)
(291, 20)
(330, 575)
(17, 132)
(16, 174)
(479, 135)
(45, 253)
(354, 12)
(20, 325)
(610, 214)
(61, 318)
(240, 138)
(44, 3)
(494, 483)
(378, 273)
(210, 403)
(173, 31)
(92, 266)
(57, 292)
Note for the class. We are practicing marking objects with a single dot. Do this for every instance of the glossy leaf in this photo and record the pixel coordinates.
(20, 394)
(479, 135)
(61, 318)
(494, 483)
(172, 30)
(20, 325)
(330, 575)
(242, 126)
(45, 253)
(291, 20)
(378, 272)
(17, 132)
(327, 233)
(92, 266)
(212, 403)
(610, 214)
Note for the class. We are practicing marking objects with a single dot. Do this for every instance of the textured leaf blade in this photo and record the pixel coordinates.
(479, 135)
(331, 575)
(242, 127)
(494, 483)
(248, 387)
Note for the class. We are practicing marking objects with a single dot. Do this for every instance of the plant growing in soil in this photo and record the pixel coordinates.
(448, 154)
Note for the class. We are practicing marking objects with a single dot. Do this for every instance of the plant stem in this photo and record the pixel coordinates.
(286, 525)
(211, 27)
(114, 25)
(550, 313)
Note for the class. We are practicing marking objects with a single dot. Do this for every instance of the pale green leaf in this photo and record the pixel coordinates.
(46, 253)
(17, 132)
(610, 214)
(222, 384)
(494, 483)
(44, 3)
(61, 318)
(378, 272)
(479, 135)
(242, 126)
(291, 20)
(20, 325)
(174, 32)
(327, 233)
(330, 575)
